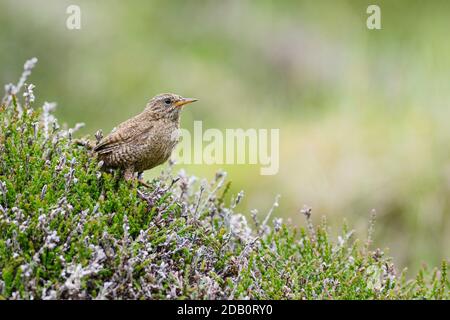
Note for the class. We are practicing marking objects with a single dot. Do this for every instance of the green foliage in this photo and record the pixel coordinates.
(71, 231)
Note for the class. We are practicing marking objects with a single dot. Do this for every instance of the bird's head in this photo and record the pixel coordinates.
(168, 105)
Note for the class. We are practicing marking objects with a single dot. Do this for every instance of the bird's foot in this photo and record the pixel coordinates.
(129, 175)
(140, 179)
(143, 183)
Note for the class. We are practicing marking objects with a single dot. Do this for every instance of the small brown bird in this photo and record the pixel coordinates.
(146, 140)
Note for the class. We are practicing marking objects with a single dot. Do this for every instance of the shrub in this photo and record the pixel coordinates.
(70, 231)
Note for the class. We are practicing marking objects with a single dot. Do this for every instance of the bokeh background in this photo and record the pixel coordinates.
(363, 114)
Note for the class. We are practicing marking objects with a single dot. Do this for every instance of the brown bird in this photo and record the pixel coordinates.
(146, 140)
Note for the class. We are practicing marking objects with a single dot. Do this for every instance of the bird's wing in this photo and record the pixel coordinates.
(130, 130)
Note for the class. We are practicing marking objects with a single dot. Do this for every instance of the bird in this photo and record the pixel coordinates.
(145, 140)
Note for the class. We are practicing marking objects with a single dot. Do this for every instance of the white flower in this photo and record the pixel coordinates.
(239, 227)
(29, 94)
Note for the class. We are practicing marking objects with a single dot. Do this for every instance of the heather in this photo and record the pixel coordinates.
(71, 231)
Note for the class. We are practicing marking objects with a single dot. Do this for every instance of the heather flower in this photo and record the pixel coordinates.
(29, 94)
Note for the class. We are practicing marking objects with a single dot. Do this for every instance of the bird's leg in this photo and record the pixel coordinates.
(128, 174)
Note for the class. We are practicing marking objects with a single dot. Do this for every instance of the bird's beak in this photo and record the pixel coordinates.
(184, 101)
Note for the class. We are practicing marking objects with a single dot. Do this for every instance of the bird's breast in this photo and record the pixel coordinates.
(158, 147)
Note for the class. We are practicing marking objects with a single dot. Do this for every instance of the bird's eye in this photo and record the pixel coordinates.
(168, 101)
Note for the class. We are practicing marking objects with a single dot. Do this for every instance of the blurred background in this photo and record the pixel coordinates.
(363, 114)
